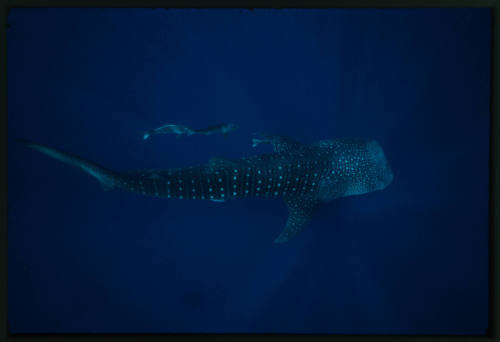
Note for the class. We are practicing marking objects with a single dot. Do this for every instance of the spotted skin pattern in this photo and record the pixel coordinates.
(302, 175)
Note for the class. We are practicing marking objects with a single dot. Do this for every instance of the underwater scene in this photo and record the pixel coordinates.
(248, 170)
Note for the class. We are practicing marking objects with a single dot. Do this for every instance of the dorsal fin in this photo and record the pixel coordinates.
(301, 211)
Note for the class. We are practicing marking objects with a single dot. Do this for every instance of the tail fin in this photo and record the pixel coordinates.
(146, 135)
(107, 178)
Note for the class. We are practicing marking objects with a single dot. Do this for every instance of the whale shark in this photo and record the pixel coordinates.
(302, 175)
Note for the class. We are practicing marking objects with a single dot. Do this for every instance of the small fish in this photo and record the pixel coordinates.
(183, 130)
(257, 141)
(169, 129)
(223, 128)
(262, 138)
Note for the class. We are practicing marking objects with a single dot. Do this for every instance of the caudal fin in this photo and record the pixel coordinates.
(107, 178)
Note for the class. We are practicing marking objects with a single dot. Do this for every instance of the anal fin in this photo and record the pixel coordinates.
(301, 211)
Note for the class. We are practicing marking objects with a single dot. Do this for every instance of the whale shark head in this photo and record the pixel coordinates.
(356, 167)
(378, 168)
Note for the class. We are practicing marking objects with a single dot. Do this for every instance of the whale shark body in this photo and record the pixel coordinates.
(302, 175)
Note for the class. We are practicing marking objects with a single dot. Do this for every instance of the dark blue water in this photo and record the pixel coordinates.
(411, 259)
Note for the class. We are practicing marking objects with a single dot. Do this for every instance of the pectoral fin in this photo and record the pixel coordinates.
(301, 211)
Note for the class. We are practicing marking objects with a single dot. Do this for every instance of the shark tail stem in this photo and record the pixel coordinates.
(107, 178)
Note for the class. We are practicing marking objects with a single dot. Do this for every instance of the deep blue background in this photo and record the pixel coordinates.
(410, 259)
